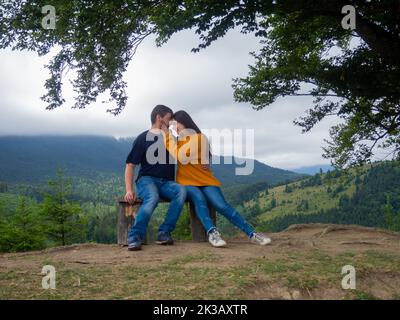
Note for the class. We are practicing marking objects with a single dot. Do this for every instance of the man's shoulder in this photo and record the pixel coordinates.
(147, 137)
(141, 136)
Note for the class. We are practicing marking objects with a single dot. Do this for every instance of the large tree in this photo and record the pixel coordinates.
(353, 74)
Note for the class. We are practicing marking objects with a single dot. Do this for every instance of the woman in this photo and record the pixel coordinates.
(192, 151)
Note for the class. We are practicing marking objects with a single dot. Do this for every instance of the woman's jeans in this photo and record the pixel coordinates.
(213, 195)
(150, 189)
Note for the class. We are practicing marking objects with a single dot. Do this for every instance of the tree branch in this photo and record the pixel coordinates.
(384, 43)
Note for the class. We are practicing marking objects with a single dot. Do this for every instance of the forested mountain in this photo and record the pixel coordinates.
(35, 159)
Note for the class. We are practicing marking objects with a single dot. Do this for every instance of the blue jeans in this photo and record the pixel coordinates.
(202, 196)
(150, 189)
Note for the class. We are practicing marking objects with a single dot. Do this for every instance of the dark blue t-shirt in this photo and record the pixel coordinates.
(155, 162)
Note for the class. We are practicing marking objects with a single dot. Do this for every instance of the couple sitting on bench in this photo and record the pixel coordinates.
(176, 138)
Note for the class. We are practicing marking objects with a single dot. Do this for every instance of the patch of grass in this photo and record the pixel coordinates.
(302, 283)
(378, 259)
(361, 295)
(315, 268)
(196, 276)
(175, 280)
(346, 255)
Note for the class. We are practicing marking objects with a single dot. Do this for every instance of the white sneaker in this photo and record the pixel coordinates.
(260, 239)
(214, 237)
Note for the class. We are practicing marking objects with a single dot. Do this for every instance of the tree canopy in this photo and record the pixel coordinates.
(352, 74)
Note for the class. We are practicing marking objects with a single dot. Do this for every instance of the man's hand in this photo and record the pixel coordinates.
(130, 197)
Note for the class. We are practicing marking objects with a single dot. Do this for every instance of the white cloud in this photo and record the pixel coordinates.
(198, 83)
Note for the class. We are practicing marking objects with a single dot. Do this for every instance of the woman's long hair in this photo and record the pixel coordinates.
(183, 117)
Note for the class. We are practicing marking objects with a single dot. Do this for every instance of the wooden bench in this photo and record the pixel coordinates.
(127, 213)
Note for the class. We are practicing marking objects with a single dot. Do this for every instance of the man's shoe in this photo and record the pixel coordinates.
(135, 244)
(260, 239)
(164, 238)
(214, 237)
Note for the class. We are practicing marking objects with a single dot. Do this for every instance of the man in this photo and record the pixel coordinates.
(155, 179)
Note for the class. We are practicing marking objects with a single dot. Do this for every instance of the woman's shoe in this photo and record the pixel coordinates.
(214, 237)
(260, 239)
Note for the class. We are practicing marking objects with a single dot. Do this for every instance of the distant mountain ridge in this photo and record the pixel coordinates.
(35, 159)
(313, 169)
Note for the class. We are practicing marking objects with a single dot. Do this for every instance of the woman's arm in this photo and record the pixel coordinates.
(189, 152)
(170, 144)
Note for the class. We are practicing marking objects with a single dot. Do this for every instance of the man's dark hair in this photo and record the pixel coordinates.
(160, 110)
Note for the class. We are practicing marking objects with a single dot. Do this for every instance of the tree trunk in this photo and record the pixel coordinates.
(383, 43)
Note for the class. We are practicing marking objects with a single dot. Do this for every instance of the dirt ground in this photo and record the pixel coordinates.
(302, 262)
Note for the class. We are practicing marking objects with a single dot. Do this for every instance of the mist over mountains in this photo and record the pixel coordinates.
(35, 159)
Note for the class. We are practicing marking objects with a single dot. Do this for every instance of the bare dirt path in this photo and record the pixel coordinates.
(303, 262)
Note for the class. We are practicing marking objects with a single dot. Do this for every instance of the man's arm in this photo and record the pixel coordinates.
(129, 171)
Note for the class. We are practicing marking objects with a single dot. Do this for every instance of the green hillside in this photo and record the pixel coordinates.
(368, 195)
(307, 196)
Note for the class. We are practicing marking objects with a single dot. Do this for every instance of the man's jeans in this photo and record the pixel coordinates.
(201, 196)
(150, 189)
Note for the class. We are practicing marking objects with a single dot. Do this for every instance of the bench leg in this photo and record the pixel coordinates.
(123, 224)
(126, 219)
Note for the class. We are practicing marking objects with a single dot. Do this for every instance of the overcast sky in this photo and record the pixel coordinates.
(199, 83)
